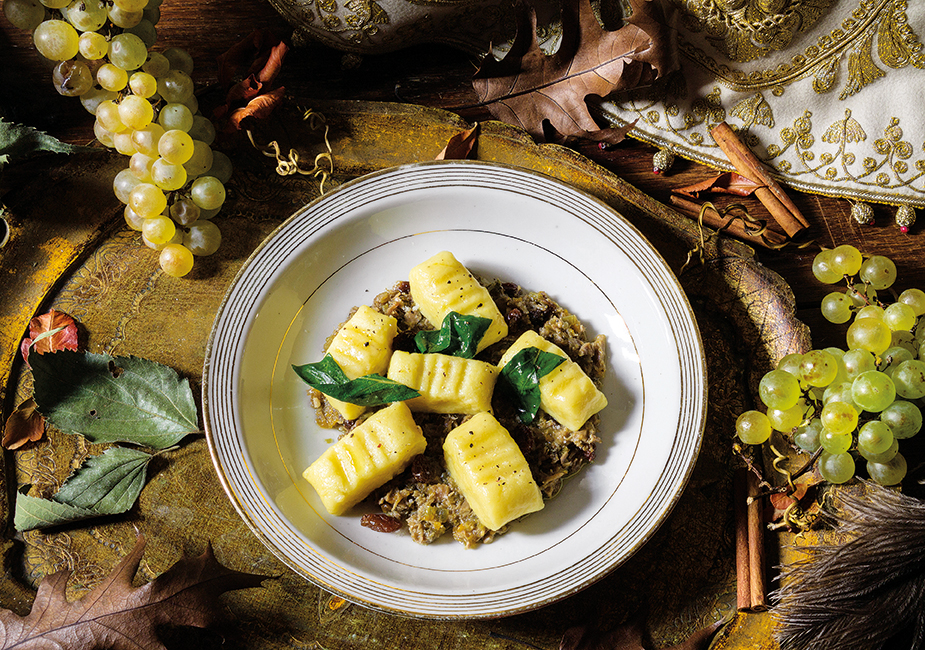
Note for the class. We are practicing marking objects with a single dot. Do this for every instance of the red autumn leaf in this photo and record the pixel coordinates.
(25, 424)
(461, 145)
(116, 615)
(50, 332)
(259, 107)
(546, 94)
(725, 183)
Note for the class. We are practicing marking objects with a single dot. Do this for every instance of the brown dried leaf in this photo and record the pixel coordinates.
(533, 90)
(247, 52)
(259, 107)
(725, 183)
(117, 615)
(629, 636)
(50, 332)
(25, 424)
(461, 145)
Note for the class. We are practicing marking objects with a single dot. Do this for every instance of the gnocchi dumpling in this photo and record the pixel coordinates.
(362, 346)
(442, 284)
(567, 393)
(446, 384)
(366, 458)
(491, 471)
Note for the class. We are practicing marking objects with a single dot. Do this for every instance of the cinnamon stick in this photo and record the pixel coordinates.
(771, 194)
(715, 220)
(751, 586)
(756, 568)
(740, 505)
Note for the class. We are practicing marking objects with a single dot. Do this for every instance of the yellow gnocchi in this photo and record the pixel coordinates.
(490, 471)
(362, 346)
(442, 284)
(366, 458)
(446, 384)
(567, 393)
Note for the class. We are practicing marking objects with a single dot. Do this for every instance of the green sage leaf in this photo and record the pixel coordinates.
(114, 399)
(33, 512)
(458, 336)
(108, 484)
(18, 141)
(370, 390)
(520, 379)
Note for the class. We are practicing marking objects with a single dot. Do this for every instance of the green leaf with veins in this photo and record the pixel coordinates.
(108, 484)
(520, 379)
(458, 336)
(18, 141)
(114, 399)
(369, 390)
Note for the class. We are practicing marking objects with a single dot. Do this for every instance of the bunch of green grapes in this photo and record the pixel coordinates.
(852, 405)
(145, 108)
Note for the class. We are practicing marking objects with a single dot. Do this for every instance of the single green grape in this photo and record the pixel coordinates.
(86, 15)
(135, 112)
(124, 19)
(906, 340)
(834, 443)
(846, 259)
(127, 51)
(157, 65)
(870, 334)
(56, 40)
(753, 427)
(839, 417)
(777, 389)
(167, 176)
(873, 391)
(836, 468)
(892, 472)
(909, 379)
(806, 437)
(184, 211)
(175, 86)
(142, 84)
(823, 268)
(836, 307)
(93, 46)
(874, 437)
(879, 272)
(148, 200)
(858, 361)
(72, 78)
(140, 164)
(221, 167)
(899, 316)
(904, 418)
(176, 260)
(818, 368)
(158, 229)
(175, 146)
(122, 141)
(915, 298)
(132, 219)
(179, 59)
(24, 14)
(209, 193)
(146, 139)
(201, 160)
(123, 184)
(145, 30)
(204, 238)
(870, 311)
(892, 357)
(791, 363)
(175, 116)
(202, 130)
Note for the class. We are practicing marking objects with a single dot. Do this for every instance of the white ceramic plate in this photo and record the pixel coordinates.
(503, 222)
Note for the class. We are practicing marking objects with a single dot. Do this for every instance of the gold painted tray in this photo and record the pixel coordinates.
(92, 267)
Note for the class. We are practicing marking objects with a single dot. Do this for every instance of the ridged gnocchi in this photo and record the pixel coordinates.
(362, 346)
(366, 458)
(491, 471)
(442, 284)
(447, 384)
(567, 393)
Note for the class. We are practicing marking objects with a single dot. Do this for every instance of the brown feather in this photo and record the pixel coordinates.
(868, 592)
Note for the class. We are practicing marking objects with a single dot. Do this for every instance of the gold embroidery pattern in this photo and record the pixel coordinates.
(745, 30)
(360, 20)
(890, 168)
(897, 46)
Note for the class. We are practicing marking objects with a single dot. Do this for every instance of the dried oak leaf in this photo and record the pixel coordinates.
(50, 332)
(117, 616)
(533, 90)
(461, 145)
(25, 424)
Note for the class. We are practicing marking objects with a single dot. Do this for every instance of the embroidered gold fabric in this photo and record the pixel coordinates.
(827, 92)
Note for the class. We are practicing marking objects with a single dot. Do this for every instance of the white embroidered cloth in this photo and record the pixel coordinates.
(828, 93)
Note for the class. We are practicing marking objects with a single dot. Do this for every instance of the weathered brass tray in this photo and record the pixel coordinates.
(85, 262)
